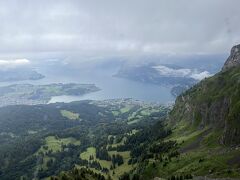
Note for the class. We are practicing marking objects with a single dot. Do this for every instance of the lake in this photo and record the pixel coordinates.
(111, 87)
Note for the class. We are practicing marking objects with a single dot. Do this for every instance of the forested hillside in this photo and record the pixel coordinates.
(42, 141)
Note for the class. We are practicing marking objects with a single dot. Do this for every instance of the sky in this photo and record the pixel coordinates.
(102, 28)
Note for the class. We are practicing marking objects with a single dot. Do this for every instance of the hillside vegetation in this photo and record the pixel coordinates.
(213, 103)
(91, 139)
(205, 123)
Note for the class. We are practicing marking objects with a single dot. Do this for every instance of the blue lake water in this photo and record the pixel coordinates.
(111, 87)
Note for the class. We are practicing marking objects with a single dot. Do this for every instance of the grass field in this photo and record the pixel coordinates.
(91, 151)
(211, 163)
(119, 170)
(125, 109)
(132, 132)
(132, 116)
(201, 154)
(137, 116)
(148, 111)
(55, 144)
(121, 111)
(70, 115)
(123, 168)
(115, 113)
(52, 89)
(133, 121)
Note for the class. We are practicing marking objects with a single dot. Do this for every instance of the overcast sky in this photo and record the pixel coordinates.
(118, 27)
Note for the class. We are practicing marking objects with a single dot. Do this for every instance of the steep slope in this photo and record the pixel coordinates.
(214, 103)
(205, 123)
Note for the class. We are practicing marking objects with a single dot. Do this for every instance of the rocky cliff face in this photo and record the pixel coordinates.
(214, 102)
(234, 58)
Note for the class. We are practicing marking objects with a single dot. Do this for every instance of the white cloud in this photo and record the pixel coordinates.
(166, 71)
(4, 64)
(181, 72)
(201, 75)
(100, 28)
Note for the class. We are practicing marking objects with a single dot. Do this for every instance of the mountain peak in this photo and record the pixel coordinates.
(234, 58)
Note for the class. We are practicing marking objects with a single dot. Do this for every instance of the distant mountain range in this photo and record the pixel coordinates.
(179, 78)
(19, 74)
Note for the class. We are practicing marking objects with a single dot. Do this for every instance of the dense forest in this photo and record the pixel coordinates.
(108, 137)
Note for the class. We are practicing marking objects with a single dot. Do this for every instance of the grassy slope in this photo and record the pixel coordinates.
(55, 145)
(213, 102)
(119, 170)
(201, 151)
(201, 154)
(70, 115)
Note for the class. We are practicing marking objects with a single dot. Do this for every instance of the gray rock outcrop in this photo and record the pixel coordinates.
(234, 58)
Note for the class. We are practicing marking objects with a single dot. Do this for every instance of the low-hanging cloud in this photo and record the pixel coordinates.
(107, 27)
(182, 72)
(200, 75)
(16, 63)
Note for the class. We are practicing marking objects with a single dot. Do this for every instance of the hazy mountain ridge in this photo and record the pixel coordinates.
(156, 74)
(177, 77)
(19, 74)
